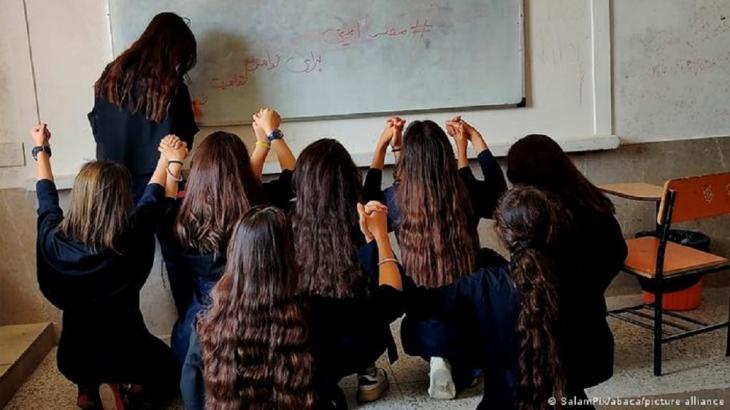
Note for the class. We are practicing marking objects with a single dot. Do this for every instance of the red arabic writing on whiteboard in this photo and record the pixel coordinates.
(312, 62)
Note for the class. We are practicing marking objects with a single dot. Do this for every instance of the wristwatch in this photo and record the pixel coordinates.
(275, 135)
(36, 150)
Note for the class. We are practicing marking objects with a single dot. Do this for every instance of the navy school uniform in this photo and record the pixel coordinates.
(590, 255)
(484, 306)
(104, 338)
(132, 139)
(200, 272)
(344, 335)
(432, 337)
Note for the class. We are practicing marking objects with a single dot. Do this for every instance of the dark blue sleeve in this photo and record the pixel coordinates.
(387, 301)
(279, 191)
(183, 119)
(49, 213)
(151, 207)
(192, 383)
(485, 194)
(372, 190)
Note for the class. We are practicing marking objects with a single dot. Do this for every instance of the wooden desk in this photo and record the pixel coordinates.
(639, 191)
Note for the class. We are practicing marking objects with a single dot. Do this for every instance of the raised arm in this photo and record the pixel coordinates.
(455, 129)
(374, 225)
(484, 194)
(269, 121)
(391, 135)
(260, 150)
(42, 151)
(173, 152)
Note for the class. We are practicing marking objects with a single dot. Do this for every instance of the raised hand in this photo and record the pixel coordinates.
(259, 132)
(469, 130)
(173, 148)
(40, 134)
(397, 123)
(373, 220)
(267, 119)
(456, 130)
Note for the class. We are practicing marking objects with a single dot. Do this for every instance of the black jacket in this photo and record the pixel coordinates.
(104, 338)
(132, 139)
(198, 273)
(431, 337)
(590, 255)
(344, 335)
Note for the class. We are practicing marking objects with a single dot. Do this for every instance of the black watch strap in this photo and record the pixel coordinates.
(36, 150)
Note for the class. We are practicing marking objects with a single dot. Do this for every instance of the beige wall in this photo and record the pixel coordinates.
(21, 302)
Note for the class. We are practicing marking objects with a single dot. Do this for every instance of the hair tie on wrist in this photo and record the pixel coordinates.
(263, 144)
(388, 260)
(394, 149)
(173, 161)
(177, 179)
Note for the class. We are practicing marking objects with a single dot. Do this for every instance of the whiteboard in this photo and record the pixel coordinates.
(672, 69)
(328, 58)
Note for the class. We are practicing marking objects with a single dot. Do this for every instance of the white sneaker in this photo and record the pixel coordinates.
(441, 384)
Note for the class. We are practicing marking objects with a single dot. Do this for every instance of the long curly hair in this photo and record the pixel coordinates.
(328, 186)
(539, 161)
(145, 77)
(438, 243)
(527, 222)
(254, 337)
(221, 187)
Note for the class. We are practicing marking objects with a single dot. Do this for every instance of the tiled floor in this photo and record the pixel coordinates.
(692, 366)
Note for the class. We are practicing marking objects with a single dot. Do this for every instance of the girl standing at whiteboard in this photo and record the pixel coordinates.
(223, 184)
(141, 97)
(328, 187)
(92, 263)
(434, 208)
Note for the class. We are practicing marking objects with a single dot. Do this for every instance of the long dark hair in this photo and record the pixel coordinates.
(254, 337)
(101, 205)
(146, 76)
(528, 223)
(437, 240)
(221, 187)
(328, 186)
(539, 161)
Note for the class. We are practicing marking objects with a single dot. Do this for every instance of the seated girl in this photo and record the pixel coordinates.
(592, 252)
(92, 263)
(224, 183)
(256, 347)
(328, 187)
(509, 310)
(434, 208)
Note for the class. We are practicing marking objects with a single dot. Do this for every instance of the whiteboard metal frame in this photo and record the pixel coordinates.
(518, 104)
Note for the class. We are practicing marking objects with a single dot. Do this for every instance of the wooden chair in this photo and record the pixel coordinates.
(657, 258)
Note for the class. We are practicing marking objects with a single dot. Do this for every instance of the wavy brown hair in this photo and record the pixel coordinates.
(328, 186)
(146, 76)
(437, 239)
(101, 205)
(254, 337)
(539, 161)
(221, 187)
(527, 222)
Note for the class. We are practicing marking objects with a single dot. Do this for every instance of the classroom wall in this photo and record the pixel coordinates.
(71, 47)
(71, 44)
